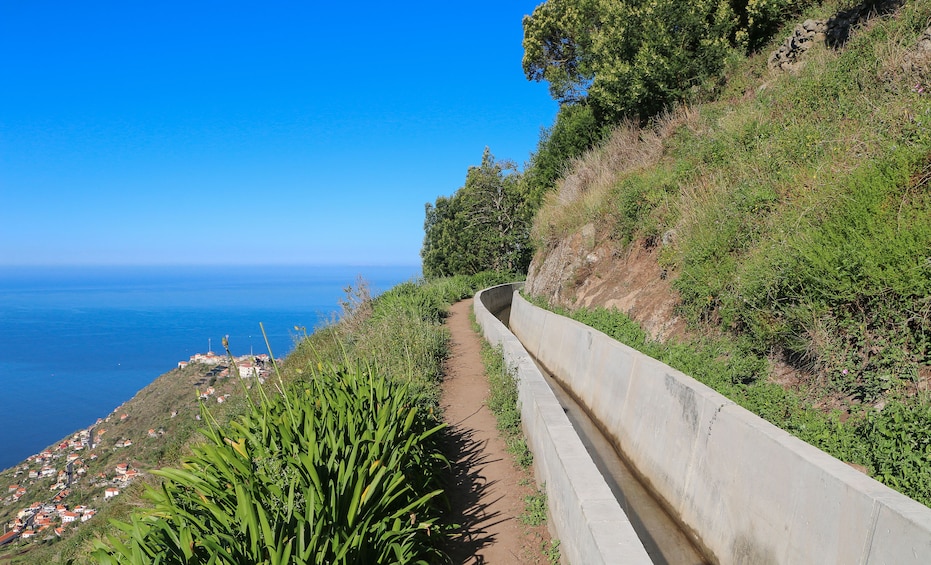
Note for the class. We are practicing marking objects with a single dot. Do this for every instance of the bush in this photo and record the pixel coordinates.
(899, 454)
(574, 131)
(342, 468)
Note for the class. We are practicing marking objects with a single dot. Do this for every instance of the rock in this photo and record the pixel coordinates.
(804, 36)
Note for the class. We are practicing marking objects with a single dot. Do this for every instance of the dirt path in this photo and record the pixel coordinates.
(488, 494)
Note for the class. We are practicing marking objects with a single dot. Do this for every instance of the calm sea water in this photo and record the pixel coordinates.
(78, 342)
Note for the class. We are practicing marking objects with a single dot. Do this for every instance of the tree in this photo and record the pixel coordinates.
(558, 47)
(485, 225)
(631, 58)
(442, 253)
(574, 132)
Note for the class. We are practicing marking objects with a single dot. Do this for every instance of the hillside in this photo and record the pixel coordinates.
(109, 462)
(781, 223)
(393, 346)
(768, 233)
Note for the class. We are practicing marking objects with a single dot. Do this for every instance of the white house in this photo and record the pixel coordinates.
(247, 369)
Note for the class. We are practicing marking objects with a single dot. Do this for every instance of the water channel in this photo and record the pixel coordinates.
(663, 537)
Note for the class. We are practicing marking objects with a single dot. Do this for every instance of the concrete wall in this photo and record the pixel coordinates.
(585, 516)
(752, 492)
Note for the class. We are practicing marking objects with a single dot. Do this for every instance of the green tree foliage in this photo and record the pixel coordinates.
(484, 226)
(574, 132)
(632, 58)
(558, 46)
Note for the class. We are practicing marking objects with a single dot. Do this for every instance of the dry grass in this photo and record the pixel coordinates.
(802, 154)
(906, 61)
(586, 190)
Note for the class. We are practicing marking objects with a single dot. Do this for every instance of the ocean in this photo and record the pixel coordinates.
(79, 341)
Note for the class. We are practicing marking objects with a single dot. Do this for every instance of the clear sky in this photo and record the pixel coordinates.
(208, 132)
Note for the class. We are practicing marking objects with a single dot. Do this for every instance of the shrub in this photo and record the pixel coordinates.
(341, 468)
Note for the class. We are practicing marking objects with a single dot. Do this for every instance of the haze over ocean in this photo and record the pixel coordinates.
(79, 341)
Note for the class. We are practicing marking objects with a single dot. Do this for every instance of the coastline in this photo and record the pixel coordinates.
(81, 341)
(66, 484)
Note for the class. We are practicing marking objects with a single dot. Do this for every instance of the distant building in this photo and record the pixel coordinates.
(209, 358)
(68, 517)
(43, 519)
(247, 369)
(8, 537)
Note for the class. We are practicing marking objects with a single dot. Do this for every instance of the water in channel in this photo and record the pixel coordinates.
(664, 539)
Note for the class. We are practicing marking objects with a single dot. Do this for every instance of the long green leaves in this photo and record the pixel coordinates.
(342, 468)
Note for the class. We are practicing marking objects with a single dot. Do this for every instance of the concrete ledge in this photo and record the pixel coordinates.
(587, 519)
(752, 492)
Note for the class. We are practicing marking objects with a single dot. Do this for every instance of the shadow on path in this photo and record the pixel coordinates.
(468, 499)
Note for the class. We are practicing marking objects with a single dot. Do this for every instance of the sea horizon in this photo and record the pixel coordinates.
(80, 340)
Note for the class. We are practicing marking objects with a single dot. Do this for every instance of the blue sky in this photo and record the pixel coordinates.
(239, 132)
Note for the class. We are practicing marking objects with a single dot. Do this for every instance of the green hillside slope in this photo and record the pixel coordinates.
(789, 215)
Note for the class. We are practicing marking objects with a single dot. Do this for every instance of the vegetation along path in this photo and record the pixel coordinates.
(487, 496)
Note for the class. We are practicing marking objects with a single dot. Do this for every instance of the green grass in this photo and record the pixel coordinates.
(552, 553)
(791, 211)
(503, 403)
(534, 513)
